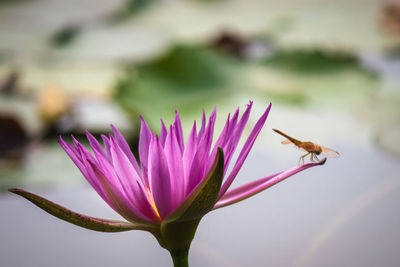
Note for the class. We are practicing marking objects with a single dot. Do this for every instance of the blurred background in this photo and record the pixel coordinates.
(330, 68)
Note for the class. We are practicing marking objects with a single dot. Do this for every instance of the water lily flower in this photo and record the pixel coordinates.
(172, 185)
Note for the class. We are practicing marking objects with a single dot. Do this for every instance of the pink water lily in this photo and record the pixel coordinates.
(173, 184)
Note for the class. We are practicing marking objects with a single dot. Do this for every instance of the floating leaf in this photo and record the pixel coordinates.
(187, 78)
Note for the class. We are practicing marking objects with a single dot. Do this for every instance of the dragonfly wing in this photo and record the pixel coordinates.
(286, 142)
(330, 153)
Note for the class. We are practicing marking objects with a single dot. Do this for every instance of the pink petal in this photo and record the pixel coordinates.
(206, 141)
(250, 189)
(94, 144)
(174, 160)
(199, 163)
(245, 151)
(125, 148)
(188, 155)
(233, 121)
(163, 133)
(73, 153)
(229, 133)
(131, 181)
(117, 198)
(159, 178)
(118, 195)
(144, 143)
(235, 135)
(221, 142)
(203, 126)
(178, 130)
(76, 157)
(107, 146)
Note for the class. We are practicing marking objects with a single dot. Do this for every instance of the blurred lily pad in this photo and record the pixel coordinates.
(131, 7)
(187, 78)
(313, 61)
(316, 77)
(65, 35)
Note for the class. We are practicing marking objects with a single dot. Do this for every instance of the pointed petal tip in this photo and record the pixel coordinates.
(15, 190)
(321, 162)
(267, 110)
(62, 143)
(89, 135)
(113, 128)
(74, 139)
(142, 120)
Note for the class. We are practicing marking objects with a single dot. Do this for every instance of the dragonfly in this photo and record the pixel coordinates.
(311, 148)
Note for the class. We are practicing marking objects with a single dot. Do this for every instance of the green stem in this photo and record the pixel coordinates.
(180, 257)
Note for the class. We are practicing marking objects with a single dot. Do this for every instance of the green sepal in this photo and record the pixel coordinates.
(92, 223)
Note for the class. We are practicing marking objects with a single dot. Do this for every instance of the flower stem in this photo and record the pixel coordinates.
(180, 257)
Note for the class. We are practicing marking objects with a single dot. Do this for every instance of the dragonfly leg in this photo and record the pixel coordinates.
(301, 159)
(314, 157)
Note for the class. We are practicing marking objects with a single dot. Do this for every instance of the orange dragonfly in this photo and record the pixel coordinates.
(311, 148)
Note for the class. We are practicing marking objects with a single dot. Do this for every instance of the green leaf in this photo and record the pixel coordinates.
(92, 223)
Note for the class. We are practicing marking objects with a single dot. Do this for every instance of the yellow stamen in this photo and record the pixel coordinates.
(153, 204)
